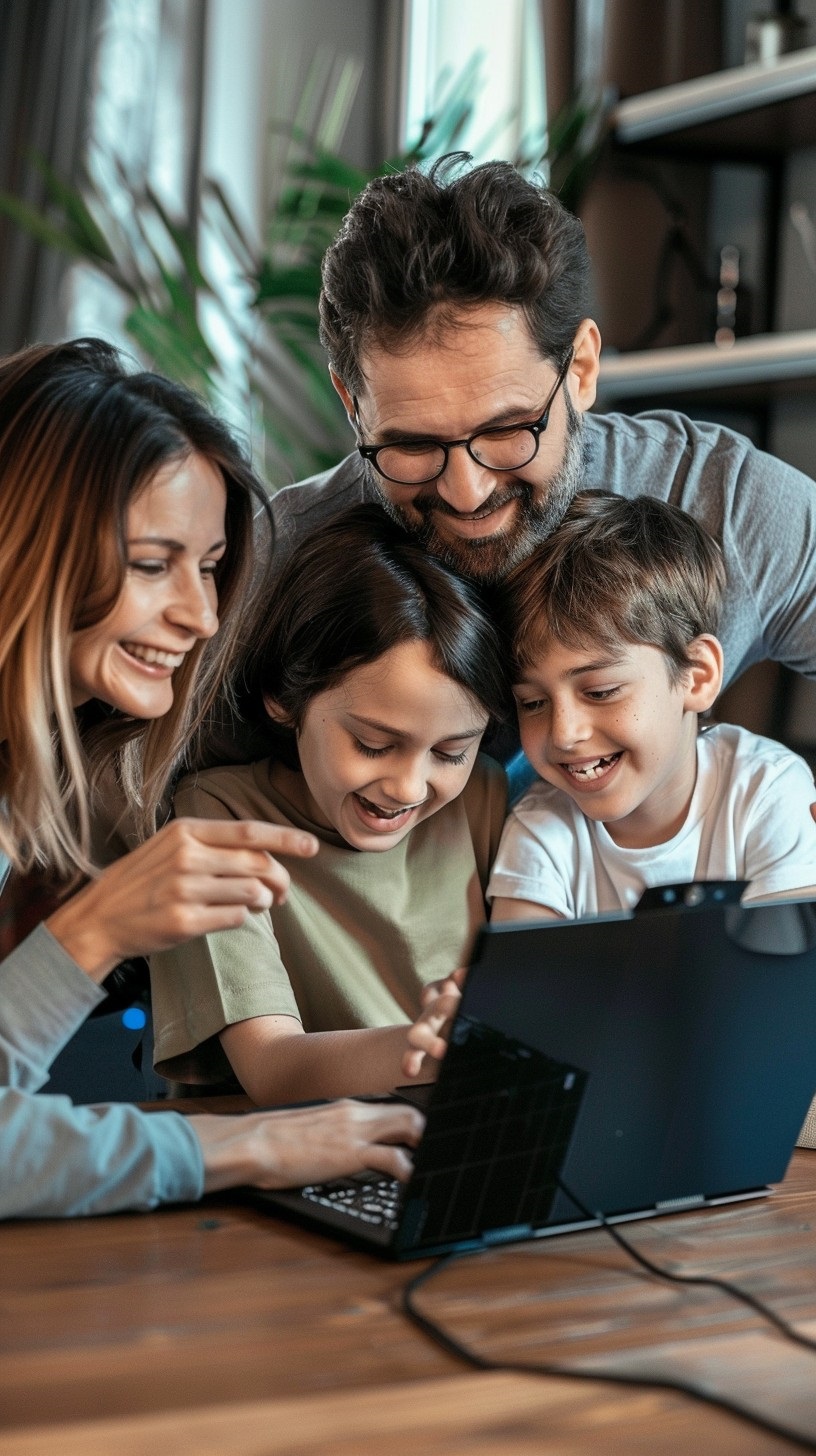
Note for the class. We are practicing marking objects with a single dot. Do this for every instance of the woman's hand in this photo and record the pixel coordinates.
(307, 1144)
(192, 877)
(428, 1037)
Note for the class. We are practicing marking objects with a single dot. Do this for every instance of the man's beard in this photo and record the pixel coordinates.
(490, 558)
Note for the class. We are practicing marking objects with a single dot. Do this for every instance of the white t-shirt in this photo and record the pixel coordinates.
(749, 819)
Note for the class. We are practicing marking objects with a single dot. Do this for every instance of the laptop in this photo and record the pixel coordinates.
(648, 1062)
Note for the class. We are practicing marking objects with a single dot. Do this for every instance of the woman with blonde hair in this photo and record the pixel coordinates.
(126, 530)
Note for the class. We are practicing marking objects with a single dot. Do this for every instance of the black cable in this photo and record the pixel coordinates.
(710, 1281)
(475, 1358)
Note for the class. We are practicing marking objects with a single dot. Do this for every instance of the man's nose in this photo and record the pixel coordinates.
(465, 484)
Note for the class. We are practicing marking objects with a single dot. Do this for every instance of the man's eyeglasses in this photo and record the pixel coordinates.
(502, 447)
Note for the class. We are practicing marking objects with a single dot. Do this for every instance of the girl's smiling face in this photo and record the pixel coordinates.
(168, 603)
(387, 747)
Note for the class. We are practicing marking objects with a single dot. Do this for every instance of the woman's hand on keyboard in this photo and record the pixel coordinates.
(307, 1144)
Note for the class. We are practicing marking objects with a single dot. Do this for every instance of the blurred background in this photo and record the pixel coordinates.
(171, 172)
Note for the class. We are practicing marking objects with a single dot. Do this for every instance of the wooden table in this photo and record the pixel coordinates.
(218, 1329)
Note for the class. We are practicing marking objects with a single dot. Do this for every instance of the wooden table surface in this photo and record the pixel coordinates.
(219, 1329)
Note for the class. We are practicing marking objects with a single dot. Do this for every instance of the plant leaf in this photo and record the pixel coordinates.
(82, 225)
(39, 226)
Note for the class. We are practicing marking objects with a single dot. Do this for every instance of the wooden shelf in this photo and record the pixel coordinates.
(749, 112)
(754, 114)
(765, 363)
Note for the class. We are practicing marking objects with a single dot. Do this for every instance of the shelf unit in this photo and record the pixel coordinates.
(748, 114)
(755, 115)
(761, 365)
(754, 111)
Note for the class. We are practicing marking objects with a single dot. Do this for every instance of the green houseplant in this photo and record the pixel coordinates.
(259, 359)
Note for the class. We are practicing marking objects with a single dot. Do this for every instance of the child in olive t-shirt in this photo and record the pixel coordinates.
(376, 671)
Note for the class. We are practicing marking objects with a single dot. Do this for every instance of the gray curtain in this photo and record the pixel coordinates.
(46, 62)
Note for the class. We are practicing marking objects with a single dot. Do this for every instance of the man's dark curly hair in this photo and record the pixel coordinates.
(417, 246)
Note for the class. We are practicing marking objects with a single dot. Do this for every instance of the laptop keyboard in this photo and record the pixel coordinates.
(499, 1123)
(370, 1200)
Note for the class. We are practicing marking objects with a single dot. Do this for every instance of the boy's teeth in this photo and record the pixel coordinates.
(590, 770)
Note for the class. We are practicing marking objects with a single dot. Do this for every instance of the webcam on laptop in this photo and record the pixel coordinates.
(695, 895)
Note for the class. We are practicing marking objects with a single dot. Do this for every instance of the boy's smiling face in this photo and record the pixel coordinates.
(614, 732)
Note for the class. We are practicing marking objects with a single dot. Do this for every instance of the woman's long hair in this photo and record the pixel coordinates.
(80, 438)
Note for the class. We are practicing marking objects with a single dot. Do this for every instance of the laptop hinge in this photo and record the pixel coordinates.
(508, 1235)
(692, 1200)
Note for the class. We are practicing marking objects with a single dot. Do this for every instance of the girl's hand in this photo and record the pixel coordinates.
(192, 877)
(428, 1037)
(307, 1144)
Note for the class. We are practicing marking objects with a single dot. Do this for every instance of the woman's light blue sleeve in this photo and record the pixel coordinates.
(44, 999)
(58, 1160)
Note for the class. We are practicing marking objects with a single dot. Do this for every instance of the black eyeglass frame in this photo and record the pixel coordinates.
(536, 428)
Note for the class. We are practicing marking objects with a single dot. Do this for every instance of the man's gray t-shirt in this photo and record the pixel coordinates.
(762, 511)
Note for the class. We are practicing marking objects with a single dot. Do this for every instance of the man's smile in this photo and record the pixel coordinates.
(487, 521)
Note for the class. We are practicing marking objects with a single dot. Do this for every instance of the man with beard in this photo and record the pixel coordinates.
(454, 312)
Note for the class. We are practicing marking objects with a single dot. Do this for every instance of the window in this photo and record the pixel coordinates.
(510, 105)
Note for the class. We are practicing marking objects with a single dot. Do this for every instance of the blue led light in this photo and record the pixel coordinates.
(134, 1018)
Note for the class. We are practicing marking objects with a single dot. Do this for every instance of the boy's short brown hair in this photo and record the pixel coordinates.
(614, 571)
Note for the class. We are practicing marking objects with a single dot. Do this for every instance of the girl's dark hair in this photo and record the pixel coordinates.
(353, 590)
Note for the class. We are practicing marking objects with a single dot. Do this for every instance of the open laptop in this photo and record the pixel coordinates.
(649, 1062)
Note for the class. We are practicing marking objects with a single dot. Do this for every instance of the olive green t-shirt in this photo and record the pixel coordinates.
(360, 934)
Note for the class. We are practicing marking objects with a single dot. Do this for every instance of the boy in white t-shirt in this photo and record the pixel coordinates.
(613, 620)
